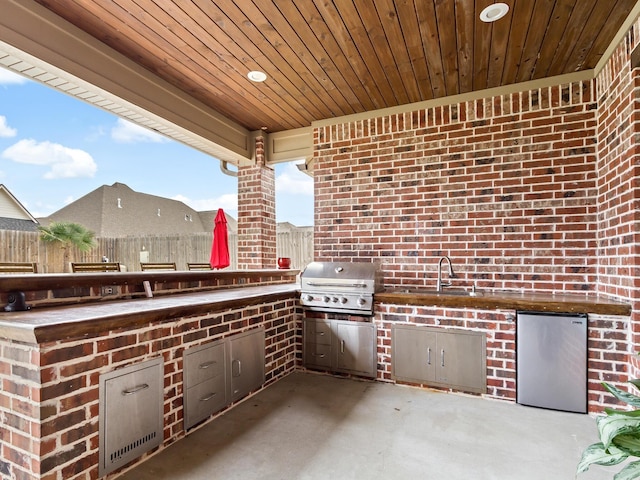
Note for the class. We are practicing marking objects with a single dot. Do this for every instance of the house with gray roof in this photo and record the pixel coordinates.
(13, 215)
(118, 211)
(208, 217)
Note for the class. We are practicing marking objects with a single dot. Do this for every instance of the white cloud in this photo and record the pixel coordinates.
(43, 210)
(40, 209)
(7, 77)
(228, 202)
(95, 133)
(293, 181)
(5, 130)
(63, 162)
(127, 132)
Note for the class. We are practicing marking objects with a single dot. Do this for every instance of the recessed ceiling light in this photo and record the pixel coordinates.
(257, 76)
(494, 12)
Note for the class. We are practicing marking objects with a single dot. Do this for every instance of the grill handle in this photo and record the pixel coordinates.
(327, 284)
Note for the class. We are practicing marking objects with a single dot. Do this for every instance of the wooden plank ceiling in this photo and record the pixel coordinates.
(327, 58)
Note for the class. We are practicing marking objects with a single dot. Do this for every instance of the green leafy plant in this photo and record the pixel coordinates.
(68, 235)
(619, 432)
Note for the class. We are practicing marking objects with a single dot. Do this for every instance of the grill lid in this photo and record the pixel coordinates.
(343, 277)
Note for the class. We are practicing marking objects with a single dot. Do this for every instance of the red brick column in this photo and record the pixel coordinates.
(256, 213)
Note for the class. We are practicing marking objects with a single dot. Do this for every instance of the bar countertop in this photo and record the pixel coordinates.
(485, 300)
(73, 321)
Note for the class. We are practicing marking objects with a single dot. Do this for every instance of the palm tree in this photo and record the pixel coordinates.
(69, 235)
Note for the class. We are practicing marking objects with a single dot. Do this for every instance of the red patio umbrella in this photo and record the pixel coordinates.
(220, 247)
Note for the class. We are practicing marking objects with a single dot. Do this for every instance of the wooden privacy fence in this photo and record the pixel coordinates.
(131, 251)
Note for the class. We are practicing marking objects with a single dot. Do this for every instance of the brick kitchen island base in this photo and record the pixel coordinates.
(51, 359)
(49, 398)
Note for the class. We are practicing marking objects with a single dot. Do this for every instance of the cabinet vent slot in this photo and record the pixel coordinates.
(121, 452)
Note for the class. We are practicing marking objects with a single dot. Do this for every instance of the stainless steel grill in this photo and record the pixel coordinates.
(343, 287)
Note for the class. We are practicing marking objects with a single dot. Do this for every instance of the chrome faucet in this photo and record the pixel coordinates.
(440, 283)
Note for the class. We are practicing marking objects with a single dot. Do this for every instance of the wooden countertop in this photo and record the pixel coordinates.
(74, 321)
(541, 302)
(52, 281)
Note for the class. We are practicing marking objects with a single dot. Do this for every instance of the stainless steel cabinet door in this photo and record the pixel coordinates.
(355, 347)
(205, 381)
(317, 355)
(134, 394)
(439, 357)
(203, 400)
(461, 361)
(247, 362)
(414, 354)
(204, 362)
(317, 343)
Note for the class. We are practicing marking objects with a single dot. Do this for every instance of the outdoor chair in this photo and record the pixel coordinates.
(95, 267)
(147, 266)
(199, 266)
(18, 267)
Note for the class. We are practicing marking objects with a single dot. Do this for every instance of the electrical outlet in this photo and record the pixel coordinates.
(107, 291)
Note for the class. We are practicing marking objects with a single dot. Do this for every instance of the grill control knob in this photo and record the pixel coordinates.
(326, 299)
(335, 299)
(343, 300)
(309, 298)
(361, 301)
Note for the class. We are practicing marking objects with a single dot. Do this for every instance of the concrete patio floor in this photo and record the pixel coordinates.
(311, 426)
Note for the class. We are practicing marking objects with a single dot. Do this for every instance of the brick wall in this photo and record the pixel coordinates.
(618, 191)
(60, 419)
(257, 213)
(532, 191)
(506, 186)
(608, 357)
(20, 411)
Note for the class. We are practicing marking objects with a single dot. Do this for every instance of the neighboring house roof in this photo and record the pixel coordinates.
(13, 215)
(208, 217)
(118, 211)
(17, 224)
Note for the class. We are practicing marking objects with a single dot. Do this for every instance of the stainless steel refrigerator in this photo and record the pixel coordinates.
(551, 360)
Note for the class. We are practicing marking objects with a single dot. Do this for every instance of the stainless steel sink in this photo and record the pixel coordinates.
(427, 291)
(459, 293)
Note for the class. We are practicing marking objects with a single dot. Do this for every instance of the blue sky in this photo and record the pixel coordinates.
(55, 149)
